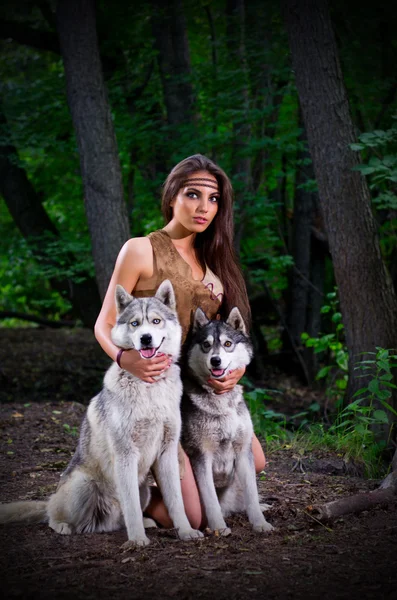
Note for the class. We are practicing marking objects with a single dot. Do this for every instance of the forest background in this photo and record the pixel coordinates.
(216, 78)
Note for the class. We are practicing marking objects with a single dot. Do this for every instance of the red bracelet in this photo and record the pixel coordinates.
(118, 357)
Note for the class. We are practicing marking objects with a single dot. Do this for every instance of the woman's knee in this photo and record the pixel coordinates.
(259, 455)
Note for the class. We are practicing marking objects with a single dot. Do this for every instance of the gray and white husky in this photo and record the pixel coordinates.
(130, 427)
(217, 429)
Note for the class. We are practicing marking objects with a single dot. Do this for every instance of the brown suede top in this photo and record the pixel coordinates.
(190, 293)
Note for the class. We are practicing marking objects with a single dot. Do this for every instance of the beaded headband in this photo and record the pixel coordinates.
(201, 181)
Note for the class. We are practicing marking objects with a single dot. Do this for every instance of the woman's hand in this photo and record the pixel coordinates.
(144, 368)
(227, 383)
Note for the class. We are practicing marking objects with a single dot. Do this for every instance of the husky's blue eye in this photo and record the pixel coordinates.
(134, 323)
(156, 321)
(227, 344)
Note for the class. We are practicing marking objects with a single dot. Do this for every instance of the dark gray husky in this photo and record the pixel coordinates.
(217, 428)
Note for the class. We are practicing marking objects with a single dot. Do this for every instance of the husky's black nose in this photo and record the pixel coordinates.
(215, 361)
(146, 339)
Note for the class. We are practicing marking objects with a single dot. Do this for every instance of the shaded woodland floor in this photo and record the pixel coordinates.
(355, 557)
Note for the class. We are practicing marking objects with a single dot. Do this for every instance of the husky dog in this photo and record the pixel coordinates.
(217, 428)
(130, 427)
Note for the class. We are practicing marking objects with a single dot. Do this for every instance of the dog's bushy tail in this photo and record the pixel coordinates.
(23, 512)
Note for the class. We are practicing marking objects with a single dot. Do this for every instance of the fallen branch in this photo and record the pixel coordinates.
(9, 314)
(386, 493)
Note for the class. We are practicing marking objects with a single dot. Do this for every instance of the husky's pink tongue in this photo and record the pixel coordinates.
(147, 352)
(217, 372)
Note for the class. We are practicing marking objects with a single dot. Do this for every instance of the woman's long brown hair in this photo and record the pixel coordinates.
(214, 246)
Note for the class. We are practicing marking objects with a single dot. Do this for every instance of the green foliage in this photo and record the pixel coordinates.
(383, 166)
(357, 423)
(268, 424)
(333, 350)
(379, 149)
(74, 431)
(24, 287)
(353, 430)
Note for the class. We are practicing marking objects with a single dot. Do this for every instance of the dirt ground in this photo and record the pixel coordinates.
(354, 557)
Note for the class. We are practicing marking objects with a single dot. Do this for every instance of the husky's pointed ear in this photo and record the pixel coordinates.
(236, 321)
(165, 293)
(123, 298)
(200, 319)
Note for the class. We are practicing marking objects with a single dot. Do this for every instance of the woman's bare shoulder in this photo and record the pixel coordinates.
(138, 252)
(138, 246)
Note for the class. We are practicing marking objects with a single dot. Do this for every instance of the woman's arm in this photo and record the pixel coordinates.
(134, 262)
(227, 383)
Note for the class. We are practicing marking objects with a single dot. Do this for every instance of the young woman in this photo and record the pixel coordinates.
(195, 252)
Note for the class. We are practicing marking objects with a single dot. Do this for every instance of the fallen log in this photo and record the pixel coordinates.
(386, 493)
(10, 314)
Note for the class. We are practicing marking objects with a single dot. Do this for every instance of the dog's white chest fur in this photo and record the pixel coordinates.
(147, 418)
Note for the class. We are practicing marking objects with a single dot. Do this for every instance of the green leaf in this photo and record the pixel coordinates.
(361, 429)
(384, 364)
(364, 169)
(380, 416)
(341, 384)
(384, 394)
(387, 405)
(373, 386)
(323, 372)
(337, 317)
(386, 377)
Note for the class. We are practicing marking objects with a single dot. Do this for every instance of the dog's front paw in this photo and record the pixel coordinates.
(189, 534)
(224, 532)
(149, 523)
(62, 528)
(263, 527)
(133, 544)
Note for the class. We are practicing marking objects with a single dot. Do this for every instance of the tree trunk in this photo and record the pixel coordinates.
(242, 178)
(298, 289)
(305, 297)
(92, 120)
(169, 31)
(319, 251)
(368, 303)
(35, 225)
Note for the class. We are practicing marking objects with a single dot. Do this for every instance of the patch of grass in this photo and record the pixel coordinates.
(269, 425)
(350, 447)
(353, 434)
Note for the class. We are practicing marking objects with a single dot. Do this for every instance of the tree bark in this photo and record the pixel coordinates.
(32, 220)
(169, 31)
(242, 176)
(368, 303)
(92, 120)
(305, 291)
(354, 504)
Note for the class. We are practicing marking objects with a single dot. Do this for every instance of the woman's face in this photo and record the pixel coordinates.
(196, 203)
